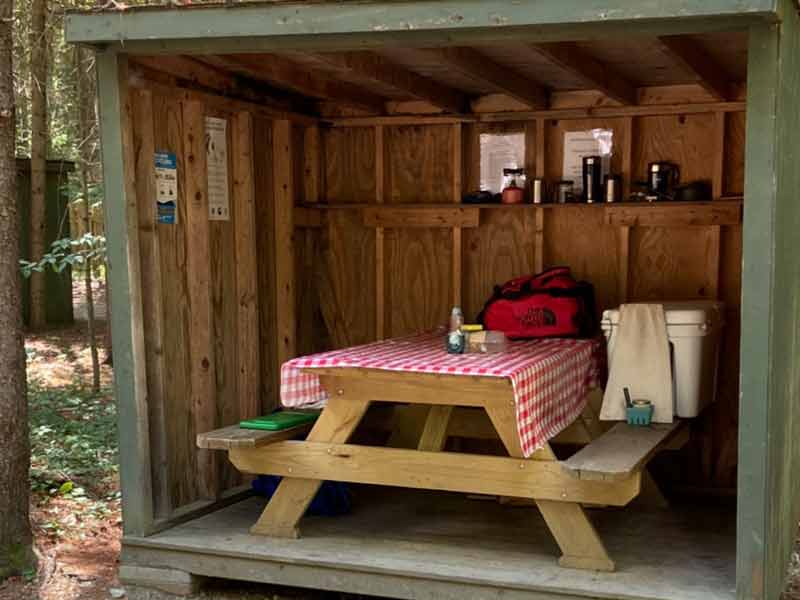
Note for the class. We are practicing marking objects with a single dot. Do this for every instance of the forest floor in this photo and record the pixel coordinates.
(75, 501)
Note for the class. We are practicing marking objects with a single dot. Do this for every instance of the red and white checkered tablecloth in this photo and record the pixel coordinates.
(550, 377)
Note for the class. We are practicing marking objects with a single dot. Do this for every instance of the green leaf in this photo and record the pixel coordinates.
(65, 488)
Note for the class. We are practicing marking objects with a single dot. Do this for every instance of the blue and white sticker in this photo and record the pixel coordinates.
(166, 167)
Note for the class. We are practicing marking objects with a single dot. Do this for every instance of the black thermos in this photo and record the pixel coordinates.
(592, 179)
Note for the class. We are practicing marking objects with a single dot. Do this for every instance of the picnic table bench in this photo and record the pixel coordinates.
(608, 471)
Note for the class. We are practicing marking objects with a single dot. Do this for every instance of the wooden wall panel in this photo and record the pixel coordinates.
(347, 283)
(575, 236)
(500, 249)
(726, 411)
(349, 165)
(224, 315)
(312, 334)
(298, 134)
(265, 248)
(418, 279)
(687, 140)
(173, 244)
(152, 295)
(420, 164)
(247, 292)
(202, 363)
(733, 176)
(670, 264)
(200, 295)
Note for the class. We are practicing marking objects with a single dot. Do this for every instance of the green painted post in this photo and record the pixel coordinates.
(134, 445)
(769, 421)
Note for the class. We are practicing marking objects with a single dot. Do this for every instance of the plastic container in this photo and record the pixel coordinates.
(486, 342)
(639, 414)
(694, 329)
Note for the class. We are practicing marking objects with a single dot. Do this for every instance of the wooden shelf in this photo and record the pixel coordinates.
(622, 214)
(674, 214)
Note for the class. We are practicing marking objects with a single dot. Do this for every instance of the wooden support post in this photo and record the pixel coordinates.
(130, 375)
(623, 263)
(539, 231)
(624, 232)
(717, 191)
(434, 434)
(248, 347)
(380, 276)
(149, 248)
(198, 266)
(457, 190)
(290, 501)
(627, 155)
(312, 167)
(284, 241)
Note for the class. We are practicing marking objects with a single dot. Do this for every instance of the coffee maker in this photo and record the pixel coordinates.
(662, 178)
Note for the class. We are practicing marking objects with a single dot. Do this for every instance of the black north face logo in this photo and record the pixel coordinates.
(538, 317)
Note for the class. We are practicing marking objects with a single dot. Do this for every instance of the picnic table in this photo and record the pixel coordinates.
(531, 394)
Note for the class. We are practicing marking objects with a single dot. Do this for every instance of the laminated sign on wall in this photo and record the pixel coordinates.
(217, 168)
(166, 167)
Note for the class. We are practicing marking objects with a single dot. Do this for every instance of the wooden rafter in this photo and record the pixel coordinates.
(285, 73)
(478, 66)
(598, 75)
(377, 68)
(208, 76)
(692, 56)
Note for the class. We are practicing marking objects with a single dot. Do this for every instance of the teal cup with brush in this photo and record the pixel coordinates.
(638, 412)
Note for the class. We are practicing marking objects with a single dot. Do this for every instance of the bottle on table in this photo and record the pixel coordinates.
(456, 340)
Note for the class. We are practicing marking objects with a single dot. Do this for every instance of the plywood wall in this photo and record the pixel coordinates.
(206, 291)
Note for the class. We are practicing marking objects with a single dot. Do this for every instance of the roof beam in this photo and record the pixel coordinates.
(599, 76)
(373, 66)
(692, 56)
(197, 74)
(478, 66)
(281, 72)
(320, 26)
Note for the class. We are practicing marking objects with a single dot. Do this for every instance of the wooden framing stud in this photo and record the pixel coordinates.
(248, 382)
(457, 158)
(285, 311)
(198, 264)
(380, 246)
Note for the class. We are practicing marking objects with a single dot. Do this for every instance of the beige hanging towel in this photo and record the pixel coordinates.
(641, 362)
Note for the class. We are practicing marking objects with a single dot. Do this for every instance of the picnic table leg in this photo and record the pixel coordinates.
(580, 544)
(289, 503)
(434, 433)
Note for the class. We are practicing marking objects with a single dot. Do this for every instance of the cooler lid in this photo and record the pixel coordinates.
(686, 312)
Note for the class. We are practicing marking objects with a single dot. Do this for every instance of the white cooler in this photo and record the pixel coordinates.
(694, 329)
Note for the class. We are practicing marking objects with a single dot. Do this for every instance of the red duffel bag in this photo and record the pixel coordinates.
(550, 304)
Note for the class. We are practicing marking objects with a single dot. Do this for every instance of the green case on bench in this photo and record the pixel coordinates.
(283, 419)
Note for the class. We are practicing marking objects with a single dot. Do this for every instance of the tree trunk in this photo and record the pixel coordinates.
(85, 118)
(39, 140)
(16, 553)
